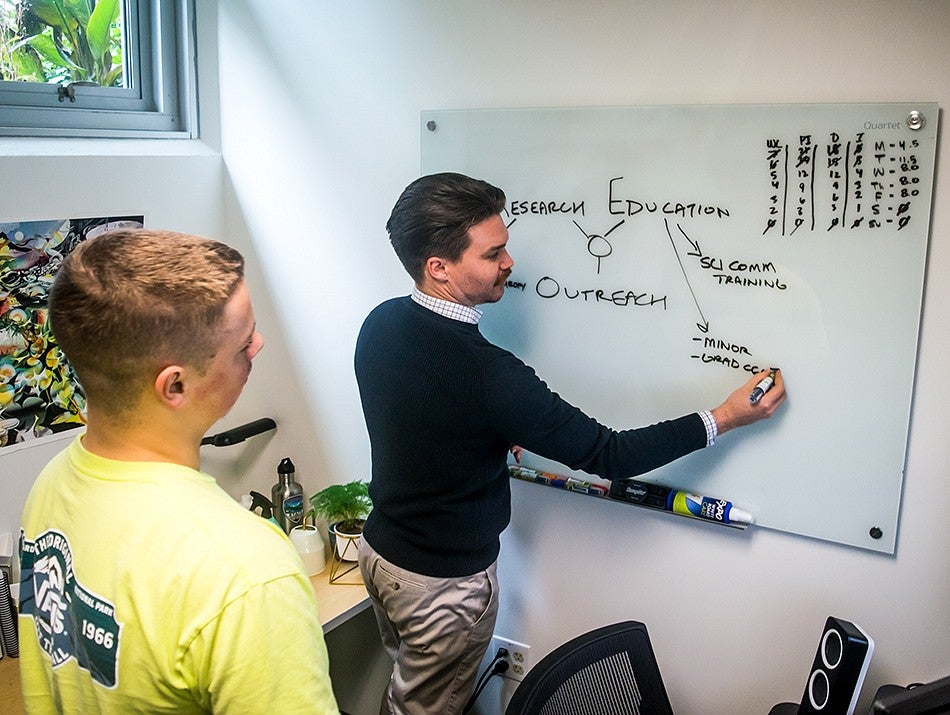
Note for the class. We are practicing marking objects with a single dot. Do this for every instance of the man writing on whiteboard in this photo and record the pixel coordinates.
(443, 407)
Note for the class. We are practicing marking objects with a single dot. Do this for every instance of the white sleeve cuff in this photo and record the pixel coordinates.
(712, 429)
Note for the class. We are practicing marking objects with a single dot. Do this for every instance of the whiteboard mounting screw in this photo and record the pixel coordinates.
(876, 532)
(915, 120)
(431, 126)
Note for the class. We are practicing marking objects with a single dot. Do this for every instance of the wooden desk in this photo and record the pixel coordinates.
(10, 701)
(337, 602)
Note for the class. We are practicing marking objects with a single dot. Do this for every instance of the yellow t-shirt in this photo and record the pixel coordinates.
(146, 588)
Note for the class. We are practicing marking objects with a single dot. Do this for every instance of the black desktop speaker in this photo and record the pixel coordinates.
(838, 671)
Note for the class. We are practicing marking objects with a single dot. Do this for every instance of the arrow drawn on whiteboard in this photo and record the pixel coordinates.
(703, 326)
(697, 251)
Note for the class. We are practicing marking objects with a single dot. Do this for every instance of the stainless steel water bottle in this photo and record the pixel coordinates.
(287, 496)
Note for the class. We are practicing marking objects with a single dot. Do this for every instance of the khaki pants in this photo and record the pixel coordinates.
(436, 630)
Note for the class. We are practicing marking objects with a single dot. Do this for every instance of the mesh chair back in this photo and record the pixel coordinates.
(608, 671)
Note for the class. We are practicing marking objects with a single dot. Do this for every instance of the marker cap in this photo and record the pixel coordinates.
(739, 516)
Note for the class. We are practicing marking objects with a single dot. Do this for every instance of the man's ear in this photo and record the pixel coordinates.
(436, 269)
(170, 387)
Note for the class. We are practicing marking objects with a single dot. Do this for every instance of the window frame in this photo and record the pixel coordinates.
(161, 102)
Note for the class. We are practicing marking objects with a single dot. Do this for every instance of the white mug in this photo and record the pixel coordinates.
(309, 545)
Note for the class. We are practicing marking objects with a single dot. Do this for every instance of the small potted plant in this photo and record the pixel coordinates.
(344, 507)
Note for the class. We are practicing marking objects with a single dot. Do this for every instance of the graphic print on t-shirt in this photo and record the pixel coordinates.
(70, 621)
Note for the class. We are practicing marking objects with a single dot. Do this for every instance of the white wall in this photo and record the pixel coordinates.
(182, 186)
(320, 132)
(183, 191)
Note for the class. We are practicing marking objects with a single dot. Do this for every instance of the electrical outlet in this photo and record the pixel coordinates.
(519, 661)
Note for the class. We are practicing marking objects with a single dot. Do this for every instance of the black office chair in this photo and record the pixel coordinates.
(608, 671)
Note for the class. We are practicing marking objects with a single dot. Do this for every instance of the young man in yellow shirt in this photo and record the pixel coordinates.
(145, 587)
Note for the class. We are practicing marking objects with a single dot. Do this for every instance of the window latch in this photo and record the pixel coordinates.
(67, 90)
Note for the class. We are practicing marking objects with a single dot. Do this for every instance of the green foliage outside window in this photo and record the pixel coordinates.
(56, 41)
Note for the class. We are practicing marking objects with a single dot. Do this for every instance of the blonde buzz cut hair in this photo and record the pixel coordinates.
(126, 304)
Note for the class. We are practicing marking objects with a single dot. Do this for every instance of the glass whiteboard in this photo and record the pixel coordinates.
(662, 254)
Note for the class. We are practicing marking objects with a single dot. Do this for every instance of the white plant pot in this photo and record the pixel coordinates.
(346, 546)
(309, 545)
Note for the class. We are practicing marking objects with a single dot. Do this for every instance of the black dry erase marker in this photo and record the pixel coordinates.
(764, 386)
(645, 493)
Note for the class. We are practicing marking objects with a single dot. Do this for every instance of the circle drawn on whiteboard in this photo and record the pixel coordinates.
(598, 246)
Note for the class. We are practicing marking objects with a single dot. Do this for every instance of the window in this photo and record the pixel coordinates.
(97, 68)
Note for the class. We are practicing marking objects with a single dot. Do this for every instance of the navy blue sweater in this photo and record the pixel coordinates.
(442, 407)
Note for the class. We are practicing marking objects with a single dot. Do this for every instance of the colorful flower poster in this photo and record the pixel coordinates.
(39, 394)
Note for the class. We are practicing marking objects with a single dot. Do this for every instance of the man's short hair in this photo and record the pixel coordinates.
(128, 303)
(433, 215)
